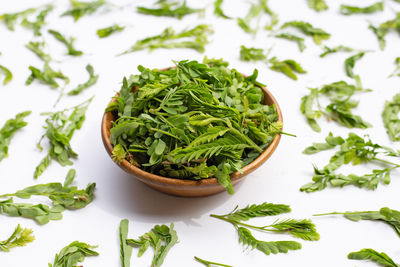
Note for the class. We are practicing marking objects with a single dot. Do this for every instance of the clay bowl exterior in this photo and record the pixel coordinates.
(189, 188)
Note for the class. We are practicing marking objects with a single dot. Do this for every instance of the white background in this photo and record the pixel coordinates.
(119, 195)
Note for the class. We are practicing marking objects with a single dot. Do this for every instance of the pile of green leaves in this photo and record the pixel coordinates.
(72, 254)
(350, 10)
(79, 9)
(303, 229)
(19, 238)
(63, 196)
(369, 254)
(195, 121)
(306, 28)
(105, 32)
(161, 238)
(385, 215)
(168, 8)
(339, 108)
(195, 38)
(257, 9)
(384, 28)
(390, 116)
(356, 150)
(60, 128)
(9, 129)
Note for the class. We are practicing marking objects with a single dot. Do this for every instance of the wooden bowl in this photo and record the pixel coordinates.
(189, 188)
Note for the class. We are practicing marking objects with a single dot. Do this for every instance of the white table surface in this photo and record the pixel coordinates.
(119, 195)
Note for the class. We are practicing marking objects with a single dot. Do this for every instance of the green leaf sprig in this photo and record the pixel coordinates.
(384, 28)
(40, 21)
(72, 254)
(92, 81)
(19, 238)
(37, 48)
(372, 255)
(349, 66)
(195, 38)
(218, 11)
(306, 28)
(396, 72)
(69, 43)
(80, 9)
(195, 121)
(293, 38)
(351, 10)
(63, 196)
(318, 5)
(10, 19)
(161, 238)
(390, 116)
(169, 8)
(7, 74)
(287, 67)
(303, 229)
(356, 150)
(210, 263)
(256, 11)
(60, 128)
(339, 48)
(105, 32)
(9, 129)
(47, 76)
(385, 215)
(125, 250)
(339, 109)
(251, 54)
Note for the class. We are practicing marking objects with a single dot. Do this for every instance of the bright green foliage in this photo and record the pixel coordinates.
(8, 130)
(390, 116)
(339, 108)
(195, 38)
(92, 80)
(251, 54)
(161, 238)
(37, 48)
(256, 11)
(287, 67)
(105, 32)
(72, 254)
(349, 66)
(10, 19)
(19, 238)
(303, 229)
(350, 10)
(386, 215)
(210, 263)
(356, 150)
(60, 128)
(47, 76)
(374, 256)
(62, 197)
(125, 250)
(169, 8)
(37, 25)
(194, 121)
(335, 49)
(317, 5)
(396, 72)
(218, 11)
(317, 34)
(80, 9)
(7, 74)
(384, 28)
(294, 38)
(68, 43)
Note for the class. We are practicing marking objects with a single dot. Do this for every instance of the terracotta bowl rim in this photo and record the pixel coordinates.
(130, 168)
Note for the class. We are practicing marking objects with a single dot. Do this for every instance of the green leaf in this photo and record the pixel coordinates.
(125, 250)
(9, 129)
(317, 5)
(7, 73)
(384, 28)
(47, 76)
(318, 34)
(374, 256)
(350, 62)
(339, 48)
(210, 263)
(69, 43)
(80, 9)
(105, 32)
(294, 38)
(19, 238)
(254, 210)
(72, 254)
(10, 19)
(169, 9)
(37, 48)
(92, 81)
(251, 54)
(390, 117)
(350, 10)
(256, 11)
(331, 142)
(218, 11)
(37, 25)
(287, 67)
(303, 229)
